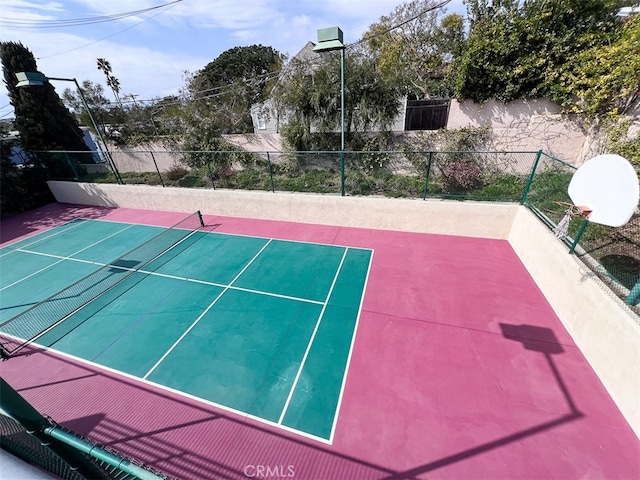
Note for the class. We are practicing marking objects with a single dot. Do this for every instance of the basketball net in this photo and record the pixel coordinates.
(562, 228)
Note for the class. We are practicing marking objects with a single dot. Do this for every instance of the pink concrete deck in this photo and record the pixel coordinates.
(460, 370)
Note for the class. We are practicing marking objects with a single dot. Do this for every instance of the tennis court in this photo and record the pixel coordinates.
(435, 356)
(258, 326)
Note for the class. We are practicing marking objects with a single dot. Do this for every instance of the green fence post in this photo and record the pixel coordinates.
(583, 226)
(342, 172)
(157, 169)
(426, 180)
(530, 180)
(632, 298)
(211, 176)
(273, 188)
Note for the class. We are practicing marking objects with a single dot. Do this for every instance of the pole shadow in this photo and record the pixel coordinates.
(533, 338)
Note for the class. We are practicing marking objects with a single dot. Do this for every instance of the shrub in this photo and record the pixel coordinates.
(461, 176)
(176, 172)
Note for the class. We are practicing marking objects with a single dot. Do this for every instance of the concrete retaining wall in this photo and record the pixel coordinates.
(604, 329)
(477, 219)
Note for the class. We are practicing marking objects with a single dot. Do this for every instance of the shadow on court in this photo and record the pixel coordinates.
(532, 338)
(190, 441)
(46, 217)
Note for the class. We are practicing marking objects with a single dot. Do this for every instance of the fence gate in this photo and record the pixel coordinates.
(427, 114)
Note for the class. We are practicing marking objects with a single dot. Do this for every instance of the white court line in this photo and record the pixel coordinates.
(231, 287)
(353, 341)
(205, 312)
(288, 240)
(178, 277)
(63, 230)
(313, 336)
(61, 259)
(186, 395)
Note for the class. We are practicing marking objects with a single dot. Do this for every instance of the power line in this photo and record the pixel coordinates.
(394, 27)
(168, 5)
(20, 23)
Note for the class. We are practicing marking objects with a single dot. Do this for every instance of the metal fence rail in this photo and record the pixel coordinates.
(534, 179)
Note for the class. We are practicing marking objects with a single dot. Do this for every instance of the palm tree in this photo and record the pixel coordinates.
(112, 82)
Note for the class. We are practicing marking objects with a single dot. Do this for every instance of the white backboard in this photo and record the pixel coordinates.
(608, 186)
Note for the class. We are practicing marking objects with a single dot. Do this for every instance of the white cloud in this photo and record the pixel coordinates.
(150, 52)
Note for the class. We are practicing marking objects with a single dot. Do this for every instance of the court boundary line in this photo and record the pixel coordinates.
(180, 393)
(215, 300)
(245, 235)
(144, 379)
(312, 339)
(8, 246)
(177, 277)
(60, 258)
(351, 347)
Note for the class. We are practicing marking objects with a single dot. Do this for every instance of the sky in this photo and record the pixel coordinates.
(150, 49)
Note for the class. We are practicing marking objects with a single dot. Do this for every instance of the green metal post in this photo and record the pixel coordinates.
(583, 226)
(98, 131)
(530, 180)
(157, 169)
(426, 180)
(273, 188)
(342, 120)
(211, 176)
(634, 294)
(100, 454)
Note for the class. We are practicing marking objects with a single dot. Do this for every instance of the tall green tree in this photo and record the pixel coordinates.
(604, 78)
(228, 86)
(518, 49)
(414, 46)
(94, 96)
(310, 93)
(42, 121)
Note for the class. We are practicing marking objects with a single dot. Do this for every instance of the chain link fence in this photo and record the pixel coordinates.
(535, 179)
(611, 253)
(15, 439)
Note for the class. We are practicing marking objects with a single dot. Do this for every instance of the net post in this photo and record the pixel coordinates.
(200, 218)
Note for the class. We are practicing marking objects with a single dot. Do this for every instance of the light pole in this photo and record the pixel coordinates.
(37, 79)
(330, 39)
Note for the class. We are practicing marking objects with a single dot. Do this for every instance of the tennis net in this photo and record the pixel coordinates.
(37, 320)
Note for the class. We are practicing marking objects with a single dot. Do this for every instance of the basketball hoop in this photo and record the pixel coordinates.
(562, 228)
(603, 190)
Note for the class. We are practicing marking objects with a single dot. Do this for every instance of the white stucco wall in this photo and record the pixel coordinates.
(523, 125)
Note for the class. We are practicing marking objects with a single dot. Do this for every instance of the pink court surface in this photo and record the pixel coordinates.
(460, 370)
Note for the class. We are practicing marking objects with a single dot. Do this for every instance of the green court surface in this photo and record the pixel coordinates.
(260, 327)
